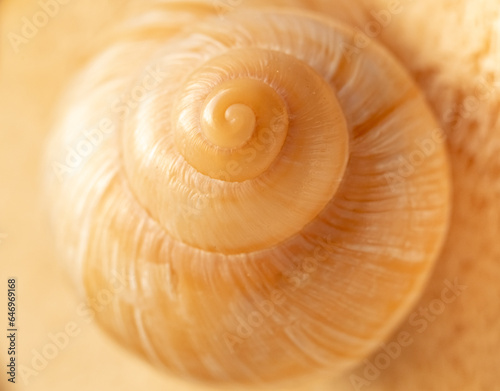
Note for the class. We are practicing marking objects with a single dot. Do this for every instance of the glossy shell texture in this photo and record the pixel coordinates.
(256, 202)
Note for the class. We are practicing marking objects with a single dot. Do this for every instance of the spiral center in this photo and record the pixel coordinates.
(227, 127)
(243, 124)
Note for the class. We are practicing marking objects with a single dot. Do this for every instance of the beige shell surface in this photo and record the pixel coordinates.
(265, 255)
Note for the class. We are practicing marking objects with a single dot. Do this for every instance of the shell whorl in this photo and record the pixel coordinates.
(242, 198)
(289, 145)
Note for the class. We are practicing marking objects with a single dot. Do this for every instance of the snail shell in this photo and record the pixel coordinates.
(238, 187)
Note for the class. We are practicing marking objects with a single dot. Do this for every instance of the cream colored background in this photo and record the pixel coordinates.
(458, 351)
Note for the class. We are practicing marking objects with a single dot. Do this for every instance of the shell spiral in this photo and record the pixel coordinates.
(242, 202)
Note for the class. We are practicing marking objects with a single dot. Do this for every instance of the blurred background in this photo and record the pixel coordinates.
(42, 46)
